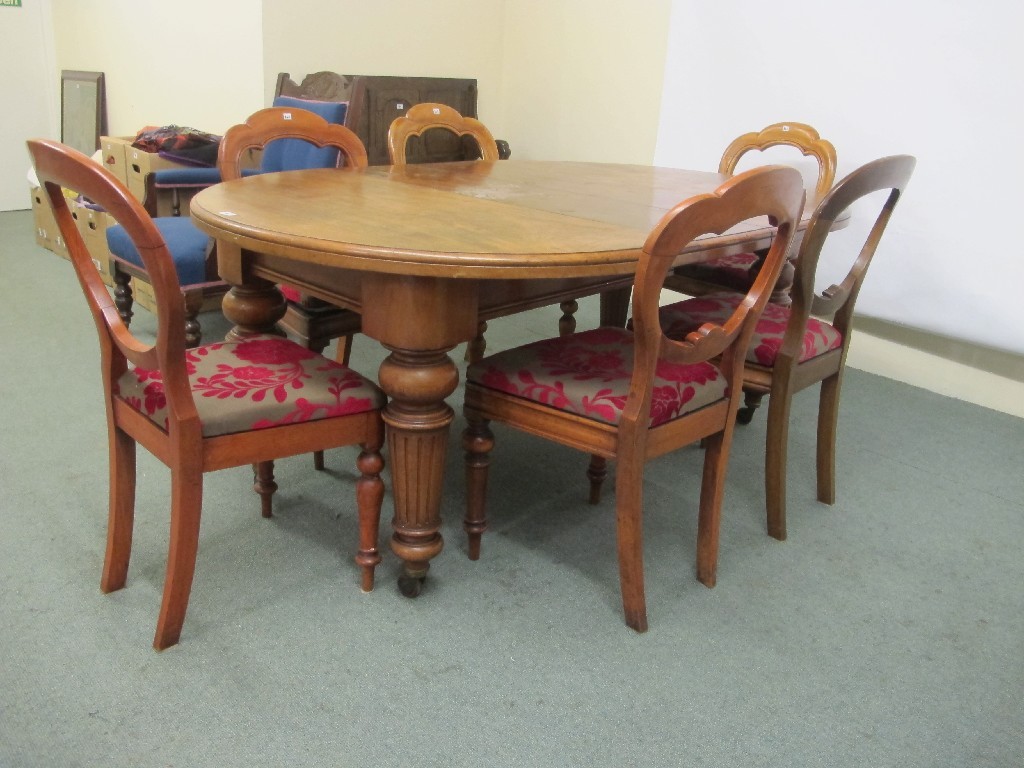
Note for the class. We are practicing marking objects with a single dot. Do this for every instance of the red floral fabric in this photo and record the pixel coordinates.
(733, 271)
(681, 318)
(265, 381)
(589, 373)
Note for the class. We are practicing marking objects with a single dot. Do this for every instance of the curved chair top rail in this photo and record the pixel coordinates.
(274, 123)
(424, 117)
(798, 135)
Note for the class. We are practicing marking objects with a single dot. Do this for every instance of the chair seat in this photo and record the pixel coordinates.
(734, 271)
(589, 374)
(685, 316)
(188, 246)
(261, 382)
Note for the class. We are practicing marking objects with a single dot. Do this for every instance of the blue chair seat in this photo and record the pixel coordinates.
(187, 244)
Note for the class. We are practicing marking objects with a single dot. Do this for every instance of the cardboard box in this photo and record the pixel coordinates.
(142, 294)
(93, 227)
(91, 224)
(139, 165)
(114, 160)
(42, 219)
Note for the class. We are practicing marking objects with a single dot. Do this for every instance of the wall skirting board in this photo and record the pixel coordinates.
(985, 376)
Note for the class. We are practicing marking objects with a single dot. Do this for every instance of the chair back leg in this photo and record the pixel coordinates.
(186, 509)
(122, 511)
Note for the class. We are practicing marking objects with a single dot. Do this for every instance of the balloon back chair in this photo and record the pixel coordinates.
(791, 350)
(737, 271)
(632, 396)
(206, 408)
(194, 252)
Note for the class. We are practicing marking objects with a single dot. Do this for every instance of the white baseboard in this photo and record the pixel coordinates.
(936, 374)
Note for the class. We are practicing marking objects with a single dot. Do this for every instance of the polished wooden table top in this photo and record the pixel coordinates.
(425, 253)
(500, 219)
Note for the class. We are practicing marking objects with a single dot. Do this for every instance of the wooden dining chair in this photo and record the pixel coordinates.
(419, 122)
(216, 406)
(737, 271)
(423, 118)
(299, 138)
(632, 396)
(792, 348)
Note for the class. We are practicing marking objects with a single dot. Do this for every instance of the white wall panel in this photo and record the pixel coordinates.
(938, 80)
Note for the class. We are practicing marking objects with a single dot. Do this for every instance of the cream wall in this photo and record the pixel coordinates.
(583, 78)
(192, 62)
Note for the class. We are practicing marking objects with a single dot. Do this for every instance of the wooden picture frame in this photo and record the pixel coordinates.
(83, 109)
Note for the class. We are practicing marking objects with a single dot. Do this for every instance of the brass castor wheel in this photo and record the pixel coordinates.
(410, 586)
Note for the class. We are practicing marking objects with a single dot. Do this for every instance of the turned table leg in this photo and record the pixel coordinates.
(420, 320)
(418, 423)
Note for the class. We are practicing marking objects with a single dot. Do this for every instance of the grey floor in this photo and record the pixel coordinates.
(887, 631)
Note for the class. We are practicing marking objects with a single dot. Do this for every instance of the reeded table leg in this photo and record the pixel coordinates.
(418, 421)
(419, 320)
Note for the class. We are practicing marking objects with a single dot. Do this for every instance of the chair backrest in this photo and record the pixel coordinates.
(428, 116)
(275, 125)
(776, 192)
(837, 301)
(798, 135)
(291, 155)
(59, 167)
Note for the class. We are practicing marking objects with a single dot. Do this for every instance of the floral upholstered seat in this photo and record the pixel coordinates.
(268, 376)
(589, 374)
(683, 317)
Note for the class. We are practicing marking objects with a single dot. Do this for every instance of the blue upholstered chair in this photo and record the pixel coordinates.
(191, 249)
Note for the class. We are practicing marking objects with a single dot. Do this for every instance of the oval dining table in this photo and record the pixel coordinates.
(426, 253)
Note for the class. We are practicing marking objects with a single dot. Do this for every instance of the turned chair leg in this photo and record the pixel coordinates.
(123, 298)
(597, 472)
(369, 497)
(478, 441)
(478, 345)
(263, 483)
(751, 402)
(193, 305)
(567, 322)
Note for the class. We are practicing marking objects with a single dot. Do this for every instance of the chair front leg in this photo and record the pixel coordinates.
(369, 497)
(596, 473)
(478, 441)
(263, 483)
(629, 533)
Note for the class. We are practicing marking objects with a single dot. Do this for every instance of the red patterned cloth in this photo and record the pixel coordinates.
(589, 373)
(681, 318)
(261, 382)
(735, 271)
